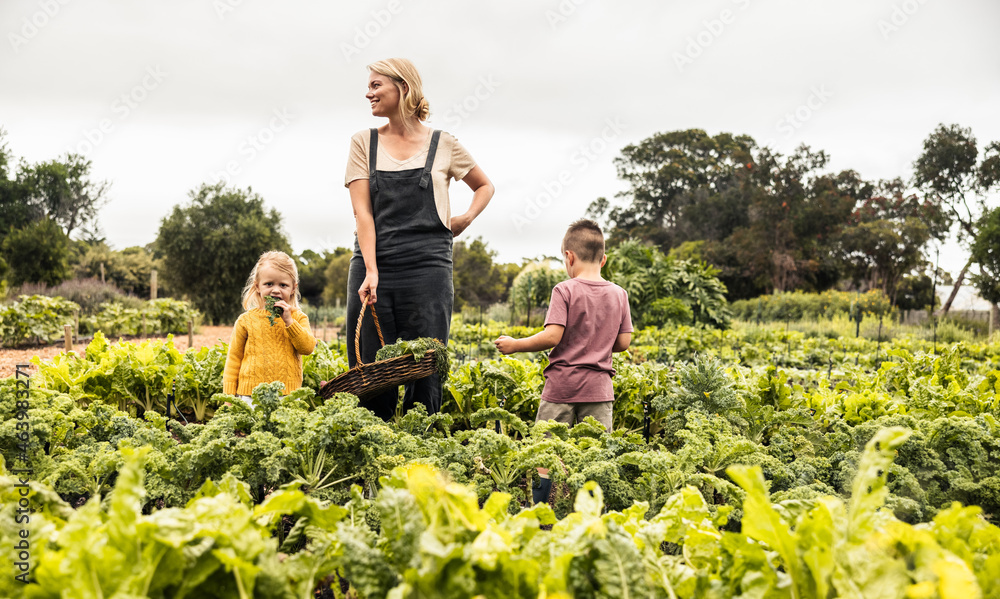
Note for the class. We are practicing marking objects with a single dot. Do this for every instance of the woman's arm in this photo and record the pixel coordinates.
(365, 221)
(545, 339)
(482, 192)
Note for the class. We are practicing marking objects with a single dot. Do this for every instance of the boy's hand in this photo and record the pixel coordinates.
(505, 344)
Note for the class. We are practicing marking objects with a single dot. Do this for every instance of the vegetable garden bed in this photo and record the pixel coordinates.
(812, 468)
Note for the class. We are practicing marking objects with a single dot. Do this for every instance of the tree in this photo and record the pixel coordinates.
(37, 253)
(950, 173)
(312, 274)
(794, 213)
(335, 276)
(15, 210)
(675, 180)
(985, 251)
(885, 237)
(64, 191)
(210, 246)
(478, 280)
(916, 292)
(129, 269)
(767, 221)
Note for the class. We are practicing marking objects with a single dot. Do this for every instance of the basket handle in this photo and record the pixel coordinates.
(357, 334)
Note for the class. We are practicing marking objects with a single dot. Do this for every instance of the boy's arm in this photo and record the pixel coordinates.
(622, 342)
(545, 339)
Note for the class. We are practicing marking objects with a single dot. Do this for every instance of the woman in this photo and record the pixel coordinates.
(398, 176)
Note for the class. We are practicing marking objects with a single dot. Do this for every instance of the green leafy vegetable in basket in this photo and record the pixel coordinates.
(273, 311)
(418, 347)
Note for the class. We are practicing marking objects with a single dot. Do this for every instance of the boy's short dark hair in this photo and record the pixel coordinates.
(585, 239)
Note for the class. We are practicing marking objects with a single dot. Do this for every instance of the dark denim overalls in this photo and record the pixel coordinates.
(413, 251)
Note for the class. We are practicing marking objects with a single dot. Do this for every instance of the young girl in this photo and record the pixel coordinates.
(260, 352)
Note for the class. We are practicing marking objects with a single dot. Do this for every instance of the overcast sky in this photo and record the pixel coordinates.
(164, 95)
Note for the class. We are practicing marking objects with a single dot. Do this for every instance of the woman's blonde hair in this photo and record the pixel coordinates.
(412, 103)
(280, 261)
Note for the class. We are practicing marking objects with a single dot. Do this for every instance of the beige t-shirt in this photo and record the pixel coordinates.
(452, 161)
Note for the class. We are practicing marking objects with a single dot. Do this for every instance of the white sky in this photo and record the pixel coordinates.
(180, 88)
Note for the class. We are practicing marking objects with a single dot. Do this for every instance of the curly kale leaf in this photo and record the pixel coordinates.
(418, 348)
(273, 311)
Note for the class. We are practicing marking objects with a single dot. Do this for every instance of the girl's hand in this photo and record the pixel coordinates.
(286, 312)
(367, 290)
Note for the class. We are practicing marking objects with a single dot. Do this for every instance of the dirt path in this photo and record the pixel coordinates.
(10, 358)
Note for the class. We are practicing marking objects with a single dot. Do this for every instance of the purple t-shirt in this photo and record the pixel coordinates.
(593, 314)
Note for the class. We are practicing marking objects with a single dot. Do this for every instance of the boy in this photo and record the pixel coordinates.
(588, 319)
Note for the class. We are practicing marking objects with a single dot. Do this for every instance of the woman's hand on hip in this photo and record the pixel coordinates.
(367, 290)
(460, 223)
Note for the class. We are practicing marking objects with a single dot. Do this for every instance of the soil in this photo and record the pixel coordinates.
(10, 358)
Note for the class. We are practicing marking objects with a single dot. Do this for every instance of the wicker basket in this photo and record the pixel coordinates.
(368, 380)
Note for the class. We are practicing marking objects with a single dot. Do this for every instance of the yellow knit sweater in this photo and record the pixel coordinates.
(261, 353)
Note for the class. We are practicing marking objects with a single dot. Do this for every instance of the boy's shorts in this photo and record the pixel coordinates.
(573, 413)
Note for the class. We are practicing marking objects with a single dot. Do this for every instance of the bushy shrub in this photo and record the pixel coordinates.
(648, 275)
(35, 318)
(668, 310)
(799, 305)
(164, 315)
(89, 294)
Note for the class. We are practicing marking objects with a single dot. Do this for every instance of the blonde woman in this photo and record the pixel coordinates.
(398, 177)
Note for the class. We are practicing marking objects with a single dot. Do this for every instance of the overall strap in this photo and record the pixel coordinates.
(372, 156)
(425, 179)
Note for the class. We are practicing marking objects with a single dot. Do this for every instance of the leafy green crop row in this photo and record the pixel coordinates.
(802, 430)
(424, 536)
(702, 418)
(40, 319)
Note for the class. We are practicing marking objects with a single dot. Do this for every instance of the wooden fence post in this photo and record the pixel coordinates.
(152, 284)
(190, 333)
(68, 334)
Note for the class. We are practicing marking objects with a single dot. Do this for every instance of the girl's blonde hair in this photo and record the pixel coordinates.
(412, 103)
(280, 261)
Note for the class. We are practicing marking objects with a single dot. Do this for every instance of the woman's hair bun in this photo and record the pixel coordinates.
(423, 109)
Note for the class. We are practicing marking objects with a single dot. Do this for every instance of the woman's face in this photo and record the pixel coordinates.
(271, 281)
(383, 95)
